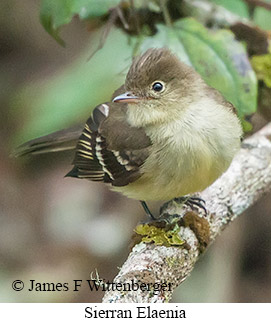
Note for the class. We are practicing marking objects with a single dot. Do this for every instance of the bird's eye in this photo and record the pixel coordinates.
(157, 86)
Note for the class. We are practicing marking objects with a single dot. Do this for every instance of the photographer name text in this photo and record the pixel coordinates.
(92, 285)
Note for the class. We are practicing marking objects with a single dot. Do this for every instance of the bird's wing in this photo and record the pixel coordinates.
(109, 150)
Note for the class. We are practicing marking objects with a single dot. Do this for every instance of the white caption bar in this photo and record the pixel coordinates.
(86, 312)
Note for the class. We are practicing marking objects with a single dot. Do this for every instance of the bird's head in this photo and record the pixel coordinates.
(158, 87)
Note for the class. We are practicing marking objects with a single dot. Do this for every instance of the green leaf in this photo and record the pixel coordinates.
(56, 13)
(216, 55)
(152, 5)
(87, 9)
(167, 37)
(262, 67)
(262, 18)
(247, 126)
(238, 7)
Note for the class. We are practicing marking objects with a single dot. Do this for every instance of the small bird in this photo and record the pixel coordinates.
(166, 133)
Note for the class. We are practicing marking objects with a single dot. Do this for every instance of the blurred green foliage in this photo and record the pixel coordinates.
(262, 18)
(70, 96)
(56, 13)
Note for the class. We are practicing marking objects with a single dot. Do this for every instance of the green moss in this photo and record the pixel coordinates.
(262, 67)
(159, 236)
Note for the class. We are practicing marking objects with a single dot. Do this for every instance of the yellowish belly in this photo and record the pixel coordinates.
(181, 176)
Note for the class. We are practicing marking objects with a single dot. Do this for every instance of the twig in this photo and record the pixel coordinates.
(210, 13)
(167, 19)
(259, 3)
(122, 18)
(247, 179)
(107, 28)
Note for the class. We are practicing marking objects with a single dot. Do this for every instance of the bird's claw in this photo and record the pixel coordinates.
(192, 202)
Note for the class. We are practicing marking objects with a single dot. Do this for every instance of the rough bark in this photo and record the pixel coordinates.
(247, 179)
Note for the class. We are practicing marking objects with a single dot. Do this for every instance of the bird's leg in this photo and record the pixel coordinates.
(147, 210)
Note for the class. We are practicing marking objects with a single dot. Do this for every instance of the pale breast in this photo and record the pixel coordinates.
(188, 154)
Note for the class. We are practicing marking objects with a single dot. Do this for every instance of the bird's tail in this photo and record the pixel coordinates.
(61, 140)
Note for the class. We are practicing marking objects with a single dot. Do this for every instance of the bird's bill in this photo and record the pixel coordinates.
(126, 97)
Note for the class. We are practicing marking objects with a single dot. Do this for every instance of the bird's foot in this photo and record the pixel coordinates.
(193, 202)
(160, 221)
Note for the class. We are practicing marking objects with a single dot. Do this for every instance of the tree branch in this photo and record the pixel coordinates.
(211, 14)
(258, 3)
(247, 179)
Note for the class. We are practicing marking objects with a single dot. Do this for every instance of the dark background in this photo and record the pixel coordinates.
(56, 229)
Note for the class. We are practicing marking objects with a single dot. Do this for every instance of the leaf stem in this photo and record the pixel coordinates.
(164, 8)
